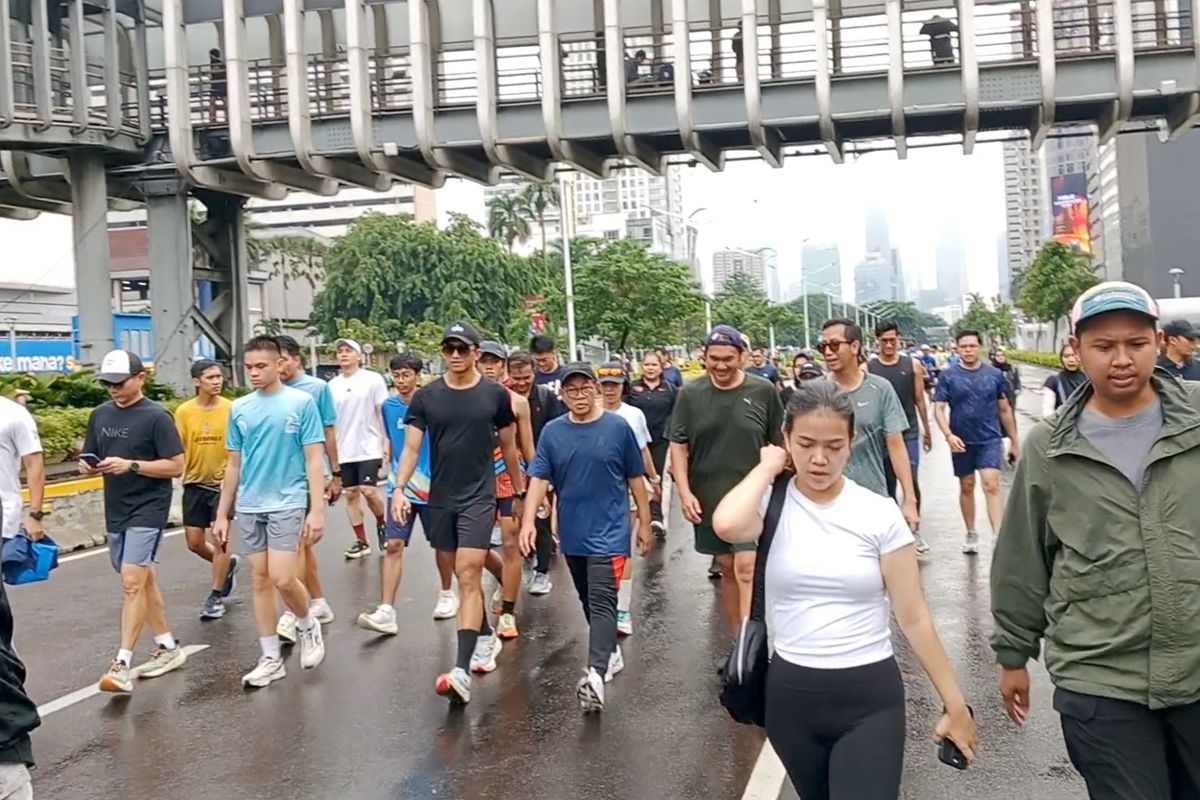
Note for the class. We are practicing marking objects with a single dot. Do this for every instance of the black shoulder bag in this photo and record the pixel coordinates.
(744, 676)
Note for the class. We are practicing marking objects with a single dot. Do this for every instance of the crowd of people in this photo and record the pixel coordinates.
(511, 456)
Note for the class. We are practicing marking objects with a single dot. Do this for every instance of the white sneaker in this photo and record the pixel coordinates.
(540, 584)
(268, 670)
(312, 646)
(321, 611)
(487, 648)
(590, 692)
(447, 605)
(616, 663)
(456, 685)
(971, 545)
(286, 629)
(922, 545)
(624, 623)
(381, 620)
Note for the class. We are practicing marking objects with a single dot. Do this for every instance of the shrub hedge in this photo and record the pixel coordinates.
(1048, 360)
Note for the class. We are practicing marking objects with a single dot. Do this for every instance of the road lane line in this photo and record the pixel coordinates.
(766, 779)
(79, 695)
(95, 551)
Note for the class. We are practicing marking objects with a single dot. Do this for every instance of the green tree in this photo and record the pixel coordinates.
(624, 294)
(1050, 285)
(743, 304)
(977, 317)
(390, 272)
(508, 219)
(424, 338)
(1004, 320)
(538, 199)
(911, 320)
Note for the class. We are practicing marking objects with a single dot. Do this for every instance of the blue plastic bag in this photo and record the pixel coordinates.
(23, 560)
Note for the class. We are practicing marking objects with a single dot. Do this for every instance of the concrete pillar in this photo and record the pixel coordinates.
(171, 284)
(230, 309)
(93, 282)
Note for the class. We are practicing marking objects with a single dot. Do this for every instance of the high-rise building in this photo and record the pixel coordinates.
(727, 263)
(1003, 273)
(878, 237)
(875, 278)
(951, 264)
(822, 272)
(1026, 207)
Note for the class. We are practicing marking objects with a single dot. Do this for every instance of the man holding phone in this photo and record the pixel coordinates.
(132, 442)
(275, 472)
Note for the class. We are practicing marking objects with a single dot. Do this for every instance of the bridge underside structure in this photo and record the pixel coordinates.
(162, 103)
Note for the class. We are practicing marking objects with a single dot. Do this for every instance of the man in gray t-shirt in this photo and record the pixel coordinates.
(1125, 441)
(877, 415)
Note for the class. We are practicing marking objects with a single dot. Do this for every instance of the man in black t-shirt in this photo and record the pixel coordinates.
(549, 371)
(460, 412)
(133, 443)
(941, 43)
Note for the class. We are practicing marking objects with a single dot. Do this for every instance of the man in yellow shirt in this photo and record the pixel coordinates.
(202, 423)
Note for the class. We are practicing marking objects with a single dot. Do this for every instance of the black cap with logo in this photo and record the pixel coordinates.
(461, 331)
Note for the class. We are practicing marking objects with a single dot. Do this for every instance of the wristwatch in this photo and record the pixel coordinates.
(337, 473)
(520, 495)
(135, 467)
(37, 515)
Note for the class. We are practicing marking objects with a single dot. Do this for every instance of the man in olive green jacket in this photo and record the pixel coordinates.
(1100, 556)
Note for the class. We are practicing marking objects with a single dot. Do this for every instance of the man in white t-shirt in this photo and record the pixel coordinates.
(20, 445)
(614, 382)
(358, 396)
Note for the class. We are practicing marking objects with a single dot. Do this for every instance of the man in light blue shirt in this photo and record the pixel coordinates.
(275, 473)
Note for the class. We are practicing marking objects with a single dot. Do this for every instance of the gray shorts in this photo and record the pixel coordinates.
(135, 546)
(277, 530)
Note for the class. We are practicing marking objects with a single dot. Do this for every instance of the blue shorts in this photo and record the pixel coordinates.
(985, 455)
(135, 546)
(403, 530)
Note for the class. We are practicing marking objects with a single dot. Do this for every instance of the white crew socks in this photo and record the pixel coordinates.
(166, 640)
(305, 623)
(270, 646)
(126, 656)
(624, 594)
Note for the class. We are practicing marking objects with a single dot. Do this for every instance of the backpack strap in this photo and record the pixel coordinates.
(770, 523)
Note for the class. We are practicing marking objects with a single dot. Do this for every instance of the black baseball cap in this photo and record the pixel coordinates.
(490, 348)
(119, 366)
(726, 335)
(578, 368)
(809, 371)
(461, 331)
(1181, 327)
(612, 372)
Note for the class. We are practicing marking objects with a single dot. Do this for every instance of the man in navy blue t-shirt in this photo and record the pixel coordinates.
(976, 395)
(593, 460)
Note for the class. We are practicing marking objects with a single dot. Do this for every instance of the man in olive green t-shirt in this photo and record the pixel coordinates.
(720, 423)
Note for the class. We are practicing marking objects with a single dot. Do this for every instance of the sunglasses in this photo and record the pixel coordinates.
(114, 385)
(831, 344)
(451, 348)
(579, 391)
(610, 372)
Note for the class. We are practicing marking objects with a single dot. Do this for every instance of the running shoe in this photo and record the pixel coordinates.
(447, 605)
(117, 680)
(971, 545)
(312, 646)
(265, 672)
(381, 620)
(456, 685)
(624, 623)
(540, 584)
(616, 663)
(231, 578)
(714, 570)
(922, 545)
(660, 530)
(590, 692)
(357, 550)
(214, 607)
(321, 611)
(162, 661)
(506, 627)
(498, 600)
(483, 660)
(286, 629)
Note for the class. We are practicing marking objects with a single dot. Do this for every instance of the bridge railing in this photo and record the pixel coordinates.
(518, 69)
(391, 86)
(796, 56)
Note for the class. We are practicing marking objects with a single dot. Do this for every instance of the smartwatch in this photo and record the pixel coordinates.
(37, 515)
(337, 473)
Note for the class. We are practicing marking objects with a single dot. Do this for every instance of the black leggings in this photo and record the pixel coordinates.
(658, 454)
(839, 732)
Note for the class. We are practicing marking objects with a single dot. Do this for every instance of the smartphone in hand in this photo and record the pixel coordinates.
(948, 752)
(91, 459)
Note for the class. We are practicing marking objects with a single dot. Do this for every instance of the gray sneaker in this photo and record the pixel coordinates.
(971, 545)
(162, 661)
(922, 545)
(214, 607)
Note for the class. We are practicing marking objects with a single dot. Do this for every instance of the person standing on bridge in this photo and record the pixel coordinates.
(358, 395)
(203, 422)
(941, 33)
(1098, 558)
(275, 480)
(133, 443)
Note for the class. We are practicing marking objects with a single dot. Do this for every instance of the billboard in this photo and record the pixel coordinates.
(1069, 201)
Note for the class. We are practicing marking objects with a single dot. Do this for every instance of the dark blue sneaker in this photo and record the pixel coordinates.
(231, 578)
(214, 607)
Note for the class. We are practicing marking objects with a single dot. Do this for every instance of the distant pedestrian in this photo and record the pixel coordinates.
(671, 373)
(763, 368)
(549, 370)
(737, 45)
(218, 85)
(1179, 344)
(1061, 385)
(941, 43)
(655, 397)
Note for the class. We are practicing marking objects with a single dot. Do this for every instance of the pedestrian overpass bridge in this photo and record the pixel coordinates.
(108, 103)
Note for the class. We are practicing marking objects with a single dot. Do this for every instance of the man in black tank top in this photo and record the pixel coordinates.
(907, 377)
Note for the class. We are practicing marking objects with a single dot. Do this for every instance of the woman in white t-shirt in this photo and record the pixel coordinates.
(841, 558)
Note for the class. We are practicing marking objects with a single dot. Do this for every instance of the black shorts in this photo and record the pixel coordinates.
(200, 505)
(467, 526)
(361, 473)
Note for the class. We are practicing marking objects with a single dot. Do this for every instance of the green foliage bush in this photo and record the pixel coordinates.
(1048, 360)
(62, 431)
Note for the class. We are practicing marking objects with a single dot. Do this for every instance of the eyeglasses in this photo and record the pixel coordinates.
(579, 391)
(610, 372)
(451, 348)
(831, 344)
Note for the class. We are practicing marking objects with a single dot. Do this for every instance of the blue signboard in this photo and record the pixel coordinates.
(38, 355)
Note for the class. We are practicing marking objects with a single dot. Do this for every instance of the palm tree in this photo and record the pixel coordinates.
(540, 198)
(508, 219)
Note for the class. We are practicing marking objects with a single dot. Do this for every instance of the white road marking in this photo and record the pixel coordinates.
(95, 551)
(766, 779)
(78, 696)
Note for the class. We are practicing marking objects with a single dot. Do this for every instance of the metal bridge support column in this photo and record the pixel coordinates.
(172, 286)
(222, 236)
(89, 225)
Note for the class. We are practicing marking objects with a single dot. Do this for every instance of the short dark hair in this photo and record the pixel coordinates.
(818, 394)
(288, 345)
(542, 344)
(802, 354)
(267, 344)
(853, 332)
(965, 332)
(204, 365)
(406, 361)
(886, 326)
(520, 358)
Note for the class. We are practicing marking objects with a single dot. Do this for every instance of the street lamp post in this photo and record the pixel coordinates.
(568, 276)
(1176, 275)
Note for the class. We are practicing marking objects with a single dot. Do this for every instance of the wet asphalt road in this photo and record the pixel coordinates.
(366, 723)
